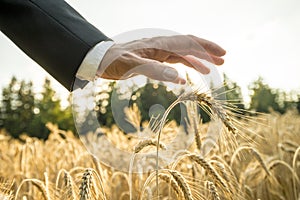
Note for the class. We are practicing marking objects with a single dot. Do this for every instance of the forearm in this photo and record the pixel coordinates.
(51, 33)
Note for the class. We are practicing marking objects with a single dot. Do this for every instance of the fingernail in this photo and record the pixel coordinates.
(170, 74)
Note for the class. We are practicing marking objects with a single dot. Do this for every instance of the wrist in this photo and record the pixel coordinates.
(91, 62)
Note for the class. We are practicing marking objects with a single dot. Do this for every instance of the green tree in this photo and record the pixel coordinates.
(65, 119)
(49, 110)
(152, 98)
(298, 104)
(17, 106)
(263, 98)
(6, 107)
(289, 101)
(22, 112)
(103, 109)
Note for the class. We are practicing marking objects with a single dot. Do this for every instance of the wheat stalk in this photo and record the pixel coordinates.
(295, 177)
(182, 184)
(200, 98)
(295, 158)
(193, 120)
(98, 166)
(295, 169)
(256, 155)
(47, 185)
(40, 185)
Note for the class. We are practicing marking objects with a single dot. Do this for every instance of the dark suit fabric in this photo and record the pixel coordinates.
(52, 33)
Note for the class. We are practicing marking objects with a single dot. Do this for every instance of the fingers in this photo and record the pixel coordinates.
(129, 64)
(189, 61)
(146, 57)
(178, 59)
(159, 71)
(199, 66)
(184, 45)
(206, 56)
(210, 47)
(164, 49)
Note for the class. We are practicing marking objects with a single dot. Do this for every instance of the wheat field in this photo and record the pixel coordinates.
(256, 157)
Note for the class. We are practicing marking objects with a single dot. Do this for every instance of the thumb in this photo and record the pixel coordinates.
(159, 71)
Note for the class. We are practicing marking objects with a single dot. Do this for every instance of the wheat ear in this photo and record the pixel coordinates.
(286, 148)
(68, 182)
(85, 187)
(6, 191)
(209, 169)
(210, 106)
(150, 142)
(221, 168)
(198, 139)
(169, 180)
(200, 98)
(213, 190)
(182, 184)
(205, 100)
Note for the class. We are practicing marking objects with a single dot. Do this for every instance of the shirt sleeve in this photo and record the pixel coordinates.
(90, 64)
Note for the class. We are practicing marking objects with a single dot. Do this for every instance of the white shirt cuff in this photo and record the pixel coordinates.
(90, 64)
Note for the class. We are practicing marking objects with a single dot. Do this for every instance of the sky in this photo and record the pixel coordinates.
(261, 37)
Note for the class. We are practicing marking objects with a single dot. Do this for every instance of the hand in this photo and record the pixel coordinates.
(148, 57)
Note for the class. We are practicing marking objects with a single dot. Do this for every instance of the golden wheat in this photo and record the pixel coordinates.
(150, 142)
(182, 184)
(61, 168)
(213, 190)
(169, 180)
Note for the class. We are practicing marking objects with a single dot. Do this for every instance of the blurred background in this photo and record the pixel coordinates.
(261, 39)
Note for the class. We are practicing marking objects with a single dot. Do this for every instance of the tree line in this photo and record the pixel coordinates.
(23, 111)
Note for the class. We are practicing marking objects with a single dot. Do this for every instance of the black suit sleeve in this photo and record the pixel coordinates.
(52, 33)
